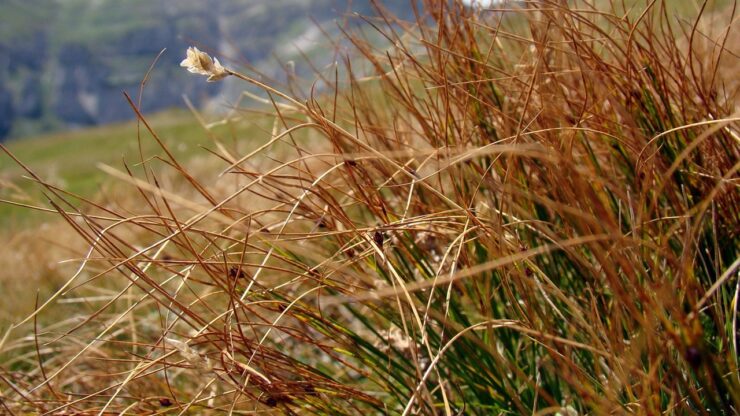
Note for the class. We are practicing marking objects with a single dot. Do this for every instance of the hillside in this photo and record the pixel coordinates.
(65, 63)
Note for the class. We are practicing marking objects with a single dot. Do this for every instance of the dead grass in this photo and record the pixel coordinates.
(530, 211)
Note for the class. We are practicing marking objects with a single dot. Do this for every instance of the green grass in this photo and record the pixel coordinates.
(71, 158)
(71, 161)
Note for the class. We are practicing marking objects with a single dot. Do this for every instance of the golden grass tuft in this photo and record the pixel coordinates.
(530, 210)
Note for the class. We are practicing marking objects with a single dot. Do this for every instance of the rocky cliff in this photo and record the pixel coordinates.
(66, 62)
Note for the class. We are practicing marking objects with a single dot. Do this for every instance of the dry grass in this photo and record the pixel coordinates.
(528, 212)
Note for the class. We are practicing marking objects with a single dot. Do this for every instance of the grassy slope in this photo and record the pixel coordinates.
(71, 159)
(68, 159)
(36, 242)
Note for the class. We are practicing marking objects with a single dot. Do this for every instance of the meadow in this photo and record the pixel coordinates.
(531, 209)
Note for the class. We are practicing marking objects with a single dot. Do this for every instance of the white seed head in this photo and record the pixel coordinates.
(201, 63)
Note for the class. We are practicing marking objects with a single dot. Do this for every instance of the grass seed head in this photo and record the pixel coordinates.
(201, 63)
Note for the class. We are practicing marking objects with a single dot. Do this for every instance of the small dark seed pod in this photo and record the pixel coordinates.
(236, 273)
(693, 356)
(378, 238)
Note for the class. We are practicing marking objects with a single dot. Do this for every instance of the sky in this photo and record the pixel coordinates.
(482, 3)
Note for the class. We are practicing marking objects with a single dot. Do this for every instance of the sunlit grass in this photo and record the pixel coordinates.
(72, 159)
(526, 215)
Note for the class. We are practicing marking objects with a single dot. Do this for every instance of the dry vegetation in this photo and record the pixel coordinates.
(529, 211)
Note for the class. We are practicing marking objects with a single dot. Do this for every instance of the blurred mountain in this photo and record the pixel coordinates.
(64, 63)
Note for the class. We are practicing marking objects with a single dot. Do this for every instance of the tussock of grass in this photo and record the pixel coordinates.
(530, 211)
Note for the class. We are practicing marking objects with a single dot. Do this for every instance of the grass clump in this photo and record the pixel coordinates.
(525, 211)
